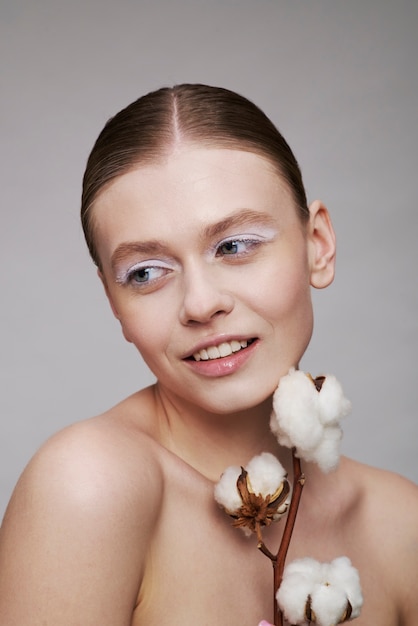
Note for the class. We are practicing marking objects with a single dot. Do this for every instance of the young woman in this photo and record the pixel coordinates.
(196, 217)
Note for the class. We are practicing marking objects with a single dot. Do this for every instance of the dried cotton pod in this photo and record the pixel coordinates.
(254, 496)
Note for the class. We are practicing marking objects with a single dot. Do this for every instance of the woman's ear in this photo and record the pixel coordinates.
(321, 246)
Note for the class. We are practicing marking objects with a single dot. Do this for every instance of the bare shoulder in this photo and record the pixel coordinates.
(78, 526)
(384, 494)
(386, 525)
(95, 464)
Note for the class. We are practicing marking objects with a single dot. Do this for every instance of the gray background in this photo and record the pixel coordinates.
(339, 78)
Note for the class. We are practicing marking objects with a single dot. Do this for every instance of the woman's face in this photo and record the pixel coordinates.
(208, 268)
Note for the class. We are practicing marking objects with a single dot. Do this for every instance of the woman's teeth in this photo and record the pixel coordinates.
(216, 352)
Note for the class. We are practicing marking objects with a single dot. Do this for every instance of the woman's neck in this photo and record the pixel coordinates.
(211, 442)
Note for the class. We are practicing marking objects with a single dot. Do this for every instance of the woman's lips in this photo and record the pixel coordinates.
(224, 349)
(218, 365)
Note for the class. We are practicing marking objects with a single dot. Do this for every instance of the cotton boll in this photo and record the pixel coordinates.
(345, 575)
(329, 604)
(303, 429)
(226, 492)
(327, 453)
(266, 474)
(307, 419)
(299, 578)
(295, 393)
(332, 404)
(291, 597)
(282, 437)
(342, 571)
(295, 408)
(323, 588)
(256, 496)
(307, 567)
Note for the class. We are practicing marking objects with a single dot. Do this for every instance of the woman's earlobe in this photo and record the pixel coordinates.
(322, 246)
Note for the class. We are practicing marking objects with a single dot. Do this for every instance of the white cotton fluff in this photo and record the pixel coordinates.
(295, 405)
(327, 453)
(329, 585)
(226, 492)
(329, 604)
(265, 473)
(345, 575)
(333, 405)
(308, 420)
(292, 595)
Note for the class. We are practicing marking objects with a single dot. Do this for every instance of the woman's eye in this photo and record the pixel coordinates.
(144, 275)
(140, 276)
(229, 247)
(233, 247)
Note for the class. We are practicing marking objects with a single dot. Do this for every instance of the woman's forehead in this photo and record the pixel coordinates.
(188, 169)
(198, 191)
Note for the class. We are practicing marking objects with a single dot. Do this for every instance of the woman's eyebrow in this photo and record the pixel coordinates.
(153, 247)
(244, 217)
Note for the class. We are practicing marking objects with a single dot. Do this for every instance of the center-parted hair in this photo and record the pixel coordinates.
(149, 128)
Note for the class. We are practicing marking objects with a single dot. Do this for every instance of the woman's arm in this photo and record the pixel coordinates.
(75, 535)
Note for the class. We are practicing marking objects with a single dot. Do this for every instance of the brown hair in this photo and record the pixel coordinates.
(145, 131)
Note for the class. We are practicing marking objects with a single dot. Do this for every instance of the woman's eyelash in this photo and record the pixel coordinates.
(146, 273)
(236, 246)
(142, 274)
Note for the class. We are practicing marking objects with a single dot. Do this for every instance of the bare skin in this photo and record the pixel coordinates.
(114, 520)
(124, 532)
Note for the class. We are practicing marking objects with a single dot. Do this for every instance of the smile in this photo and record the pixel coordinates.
(226, 348)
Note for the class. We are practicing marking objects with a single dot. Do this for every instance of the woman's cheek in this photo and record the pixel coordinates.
(147, 328)
(287, 291)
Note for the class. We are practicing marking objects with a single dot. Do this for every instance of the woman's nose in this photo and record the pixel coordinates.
(204, 298)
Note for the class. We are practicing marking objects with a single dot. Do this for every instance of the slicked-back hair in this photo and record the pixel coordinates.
(149, 128)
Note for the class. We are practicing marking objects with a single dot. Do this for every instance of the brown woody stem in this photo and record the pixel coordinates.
(278, 560)
(262, 546)
(298, 482)
(279, 563)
